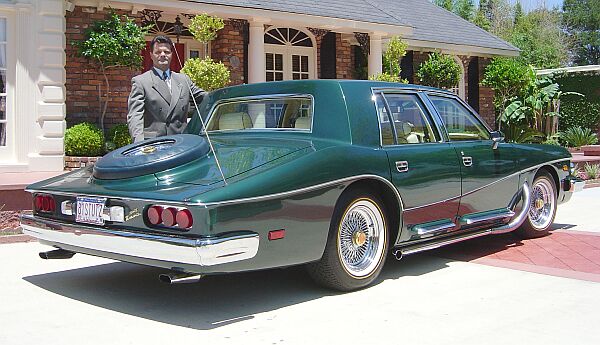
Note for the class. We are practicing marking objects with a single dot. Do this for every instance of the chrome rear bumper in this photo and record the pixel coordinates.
(202, 251)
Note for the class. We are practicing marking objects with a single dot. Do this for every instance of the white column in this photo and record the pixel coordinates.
(375, 51)
(256, 53)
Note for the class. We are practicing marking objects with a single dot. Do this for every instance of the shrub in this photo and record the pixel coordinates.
(439, 70)
(592, 170)
(552, 140)
(579, 113)
(84, 139)
(577, 137)
(118, 136)
(206, 74)
(388, 77)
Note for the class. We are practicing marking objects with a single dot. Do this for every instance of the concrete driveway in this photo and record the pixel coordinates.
(423, 299)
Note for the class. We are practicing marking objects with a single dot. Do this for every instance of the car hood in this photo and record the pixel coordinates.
(238, 158)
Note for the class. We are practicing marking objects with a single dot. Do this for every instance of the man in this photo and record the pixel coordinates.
(160, 98)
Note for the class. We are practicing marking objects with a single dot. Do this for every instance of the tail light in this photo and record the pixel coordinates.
(155, 215)
(184, 219)
(168, 216)
(44, 203)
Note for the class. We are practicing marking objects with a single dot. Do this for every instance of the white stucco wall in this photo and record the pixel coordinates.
(36, 79)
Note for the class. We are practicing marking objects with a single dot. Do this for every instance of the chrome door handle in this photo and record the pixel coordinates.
(467, 161)
(402, 166)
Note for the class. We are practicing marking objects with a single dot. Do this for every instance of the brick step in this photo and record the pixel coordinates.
(12, 189)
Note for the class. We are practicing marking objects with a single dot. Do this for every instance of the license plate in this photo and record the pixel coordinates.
(90, 210)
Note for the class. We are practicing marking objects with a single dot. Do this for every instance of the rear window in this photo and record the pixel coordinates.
(289, 112)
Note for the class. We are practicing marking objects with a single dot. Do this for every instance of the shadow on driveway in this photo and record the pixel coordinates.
(213, 302)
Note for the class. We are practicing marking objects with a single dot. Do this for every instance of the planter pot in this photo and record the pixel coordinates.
(574, 149)
(72, 163)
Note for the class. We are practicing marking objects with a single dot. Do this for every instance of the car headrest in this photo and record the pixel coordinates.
(234, 121)
(403, 128)
(303, 122)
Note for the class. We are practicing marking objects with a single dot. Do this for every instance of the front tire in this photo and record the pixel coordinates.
(357, 243)
(542, 208)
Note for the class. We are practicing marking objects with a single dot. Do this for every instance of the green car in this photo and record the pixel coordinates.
(329, 174)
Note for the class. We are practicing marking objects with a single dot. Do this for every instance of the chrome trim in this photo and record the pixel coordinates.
(231, 201)
(402, 166)
(264, 97)
(423, 230)
(486, 218)
(428, 246)
(433, 203)
(577, 186)
(306, 189)
(201, 251)
(467, 161)
(518, 220)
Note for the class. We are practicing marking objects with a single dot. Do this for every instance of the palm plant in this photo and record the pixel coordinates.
(577, 137)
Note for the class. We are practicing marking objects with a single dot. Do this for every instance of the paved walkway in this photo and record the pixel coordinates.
(572, 250)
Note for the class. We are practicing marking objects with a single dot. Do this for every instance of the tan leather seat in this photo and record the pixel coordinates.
(303, 122)
(234, 121)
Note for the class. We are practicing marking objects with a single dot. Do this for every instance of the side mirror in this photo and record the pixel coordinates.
(497, 138)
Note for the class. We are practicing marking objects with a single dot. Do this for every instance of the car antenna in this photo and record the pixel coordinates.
(212, 149)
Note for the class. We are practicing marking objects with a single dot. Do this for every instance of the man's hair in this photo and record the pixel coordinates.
(160, 39)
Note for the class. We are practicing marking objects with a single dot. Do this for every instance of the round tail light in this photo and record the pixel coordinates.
(184, 219)
(168, 216)
(155, 215)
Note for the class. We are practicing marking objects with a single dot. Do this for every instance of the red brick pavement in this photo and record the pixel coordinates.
(564, 253)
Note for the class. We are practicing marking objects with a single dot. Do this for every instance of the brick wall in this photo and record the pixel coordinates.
(230, 43)
(486, 96)
(344, 68)
(83, 78)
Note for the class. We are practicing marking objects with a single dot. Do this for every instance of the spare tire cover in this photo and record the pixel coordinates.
(150, 156)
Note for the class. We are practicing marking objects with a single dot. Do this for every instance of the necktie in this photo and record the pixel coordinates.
(167, 79)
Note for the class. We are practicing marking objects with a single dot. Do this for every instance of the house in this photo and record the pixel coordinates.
(45, 86)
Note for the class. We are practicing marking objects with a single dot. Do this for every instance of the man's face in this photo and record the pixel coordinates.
(161, 56)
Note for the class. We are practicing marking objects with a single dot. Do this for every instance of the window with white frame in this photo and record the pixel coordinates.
(3, 86)
(289, 54)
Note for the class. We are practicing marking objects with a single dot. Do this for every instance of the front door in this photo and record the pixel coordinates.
(289, 55)
(489, 181)
(424, 169)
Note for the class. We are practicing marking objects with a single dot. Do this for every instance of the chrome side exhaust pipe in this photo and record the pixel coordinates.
(179, 278)
(520, 218)
(57, 254)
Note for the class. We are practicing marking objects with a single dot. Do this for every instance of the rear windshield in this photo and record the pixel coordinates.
(289, 112)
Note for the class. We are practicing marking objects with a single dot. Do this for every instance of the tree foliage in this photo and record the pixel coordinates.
(207, 74)
(395, 50)
(582, 20)
(204, 27)
(109, 43)
(439, 70)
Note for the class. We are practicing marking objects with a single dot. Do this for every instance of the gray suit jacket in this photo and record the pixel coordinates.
(153, 110)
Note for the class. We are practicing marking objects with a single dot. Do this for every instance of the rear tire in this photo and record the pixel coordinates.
(542, 208)
(357, 243)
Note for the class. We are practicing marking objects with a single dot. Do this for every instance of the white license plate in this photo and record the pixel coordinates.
(90, 210)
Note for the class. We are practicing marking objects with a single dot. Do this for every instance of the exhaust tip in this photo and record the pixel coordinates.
(397, 254)
(179, 278)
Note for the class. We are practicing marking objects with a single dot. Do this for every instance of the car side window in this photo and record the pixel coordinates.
(460, 123)
(411, 124)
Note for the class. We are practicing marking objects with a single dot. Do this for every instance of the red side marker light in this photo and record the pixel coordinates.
(276, 234)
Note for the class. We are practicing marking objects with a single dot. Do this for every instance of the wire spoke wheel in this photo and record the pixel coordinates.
(543, 204)
(361, 238)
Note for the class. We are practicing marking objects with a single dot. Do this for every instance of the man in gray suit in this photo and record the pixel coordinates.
(160, 98)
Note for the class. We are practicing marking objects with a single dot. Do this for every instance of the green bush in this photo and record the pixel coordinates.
(577, 137)
(206, 74)
(440, 71)
(84, 139)
(388, 77)
(119, 136)
(579, 112)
